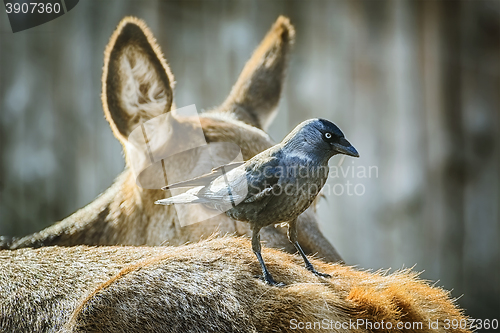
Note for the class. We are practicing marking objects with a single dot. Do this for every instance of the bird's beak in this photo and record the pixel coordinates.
(344, 147)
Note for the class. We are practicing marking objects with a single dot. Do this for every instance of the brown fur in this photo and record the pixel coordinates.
(203, 287)
(125, 213)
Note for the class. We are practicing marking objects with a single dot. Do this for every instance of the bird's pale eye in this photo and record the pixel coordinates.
(328, 135)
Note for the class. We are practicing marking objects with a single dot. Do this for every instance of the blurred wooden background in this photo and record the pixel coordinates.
(415, 85)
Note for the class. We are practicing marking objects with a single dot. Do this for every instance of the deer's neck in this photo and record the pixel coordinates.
(123, 214)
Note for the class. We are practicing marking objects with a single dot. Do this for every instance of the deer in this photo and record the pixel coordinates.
(209, 286)
(137, 86)
(105, 267)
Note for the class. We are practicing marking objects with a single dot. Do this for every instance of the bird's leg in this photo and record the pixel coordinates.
(292, 236)
(256, 249)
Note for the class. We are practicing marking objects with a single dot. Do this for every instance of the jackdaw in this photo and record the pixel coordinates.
(275, 186)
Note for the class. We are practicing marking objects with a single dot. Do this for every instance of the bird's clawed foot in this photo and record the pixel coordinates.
(309, 266)
(315, 272)
(267, 278)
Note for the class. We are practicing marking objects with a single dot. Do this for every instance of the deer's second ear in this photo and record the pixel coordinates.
(256, 94)
(137, 83)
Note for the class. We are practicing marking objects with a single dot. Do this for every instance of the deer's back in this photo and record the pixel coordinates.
(203, 287)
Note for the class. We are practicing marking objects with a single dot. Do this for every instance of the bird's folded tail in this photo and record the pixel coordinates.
(184, 198)
(204, 180)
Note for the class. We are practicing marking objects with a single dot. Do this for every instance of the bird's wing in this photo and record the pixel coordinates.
(205, 179)
(250, 183)
(263, 176)
(260, 195)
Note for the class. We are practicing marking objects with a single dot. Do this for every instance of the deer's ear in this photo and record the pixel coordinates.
(256, 94)
(137, 83)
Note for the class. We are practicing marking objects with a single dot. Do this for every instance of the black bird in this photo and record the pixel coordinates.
(275, 186)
